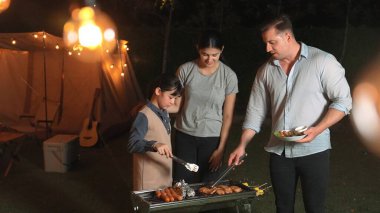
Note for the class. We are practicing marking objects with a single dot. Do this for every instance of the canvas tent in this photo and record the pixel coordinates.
(33, 70)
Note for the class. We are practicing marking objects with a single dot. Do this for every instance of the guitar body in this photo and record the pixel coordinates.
(88, 136)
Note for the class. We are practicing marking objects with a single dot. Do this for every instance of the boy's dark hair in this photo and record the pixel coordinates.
(167, 82)
(280, 22)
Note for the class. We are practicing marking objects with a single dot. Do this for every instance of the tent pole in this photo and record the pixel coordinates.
(45, 87)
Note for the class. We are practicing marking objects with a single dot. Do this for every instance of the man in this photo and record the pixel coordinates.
(299, 85)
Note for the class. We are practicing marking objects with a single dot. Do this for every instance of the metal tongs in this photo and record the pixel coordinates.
(189, 166)
(228, 170)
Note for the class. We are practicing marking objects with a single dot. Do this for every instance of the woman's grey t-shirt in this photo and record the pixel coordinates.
(201, 114)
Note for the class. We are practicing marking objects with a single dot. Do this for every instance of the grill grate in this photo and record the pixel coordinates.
(145, 201)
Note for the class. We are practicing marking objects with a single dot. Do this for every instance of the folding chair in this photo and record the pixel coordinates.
(42, 120)
(11, 144)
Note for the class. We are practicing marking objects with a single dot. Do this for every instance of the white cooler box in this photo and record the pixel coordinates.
(60, 152)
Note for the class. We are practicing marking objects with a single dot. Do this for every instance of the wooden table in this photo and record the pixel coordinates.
(11, 145)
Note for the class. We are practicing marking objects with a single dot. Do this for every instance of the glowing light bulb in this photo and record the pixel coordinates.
(57, 46)
(122, 74)
(4, 5)
(14, 41)
(35, 35)
(70, 53)
(90, 35)
(93, 31)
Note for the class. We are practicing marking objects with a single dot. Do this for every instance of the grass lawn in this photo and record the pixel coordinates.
(100, 181)
(354, 180)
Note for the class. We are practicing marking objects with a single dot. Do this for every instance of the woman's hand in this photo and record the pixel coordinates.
(216, 160)
(163, 149)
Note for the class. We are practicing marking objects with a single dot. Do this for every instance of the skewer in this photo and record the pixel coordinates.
(266, 188)
(262, 185)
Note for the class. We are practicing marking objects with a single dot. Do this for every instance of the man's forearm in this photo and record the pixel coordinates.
(332, 117)
(246, 137)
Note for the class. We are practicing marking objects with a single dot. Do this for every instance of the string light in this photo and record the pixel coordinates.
(126, 46)
(119, 66)
(14, 41)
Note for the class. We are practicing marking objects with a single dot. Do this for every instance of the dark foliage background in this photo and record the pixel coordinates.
(346, 28)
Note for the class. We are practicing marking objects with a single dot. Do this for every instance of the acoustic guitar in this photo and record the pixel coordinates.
(88, 136)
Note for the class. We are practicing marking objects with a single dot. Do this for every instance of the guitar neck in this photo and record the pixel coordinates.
(91, 116)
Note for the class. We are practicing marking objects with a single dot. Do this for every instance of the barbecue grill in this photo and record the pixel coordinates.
(146, 201)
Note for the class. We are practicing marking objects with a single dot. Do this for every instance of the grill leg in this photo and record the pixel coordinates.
(244, 206)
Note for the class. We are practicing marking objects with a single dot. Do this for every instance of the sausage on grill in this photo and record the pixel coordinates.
(168, 194)
(175, 194)
(220, 190)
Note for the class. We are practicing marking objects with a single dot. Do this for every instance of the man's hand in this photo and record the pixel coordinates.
(332, 117)
(163, 149)
(310, 133)
(235, 156)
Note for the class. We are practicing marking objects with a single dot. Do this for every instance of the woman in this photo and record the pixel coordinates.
(206, 110)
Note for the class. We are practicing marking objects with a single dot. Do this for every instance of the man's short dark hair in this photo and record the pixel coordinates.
(280, 22)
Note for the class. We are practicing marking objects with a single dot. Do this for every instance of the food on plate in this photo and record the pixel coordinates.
(298, 131)
(289, 133)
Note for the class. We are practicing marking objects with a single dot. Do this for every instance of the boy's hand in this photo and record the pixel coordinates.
(163, 149)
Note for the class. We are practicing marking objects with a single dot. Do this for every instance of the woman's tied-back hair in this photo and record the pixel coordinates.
(210, 39)
(167, 82)
(280, 22)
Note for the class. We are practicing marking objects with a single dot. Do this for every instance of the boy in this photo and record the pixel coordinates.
(149, 138)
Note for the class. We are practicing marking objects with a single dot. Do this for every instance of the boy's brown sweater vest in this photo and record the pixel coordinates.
(152, 170)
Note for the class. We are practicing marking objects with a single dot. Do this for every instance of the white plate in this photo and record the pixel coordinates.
(291, 138)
